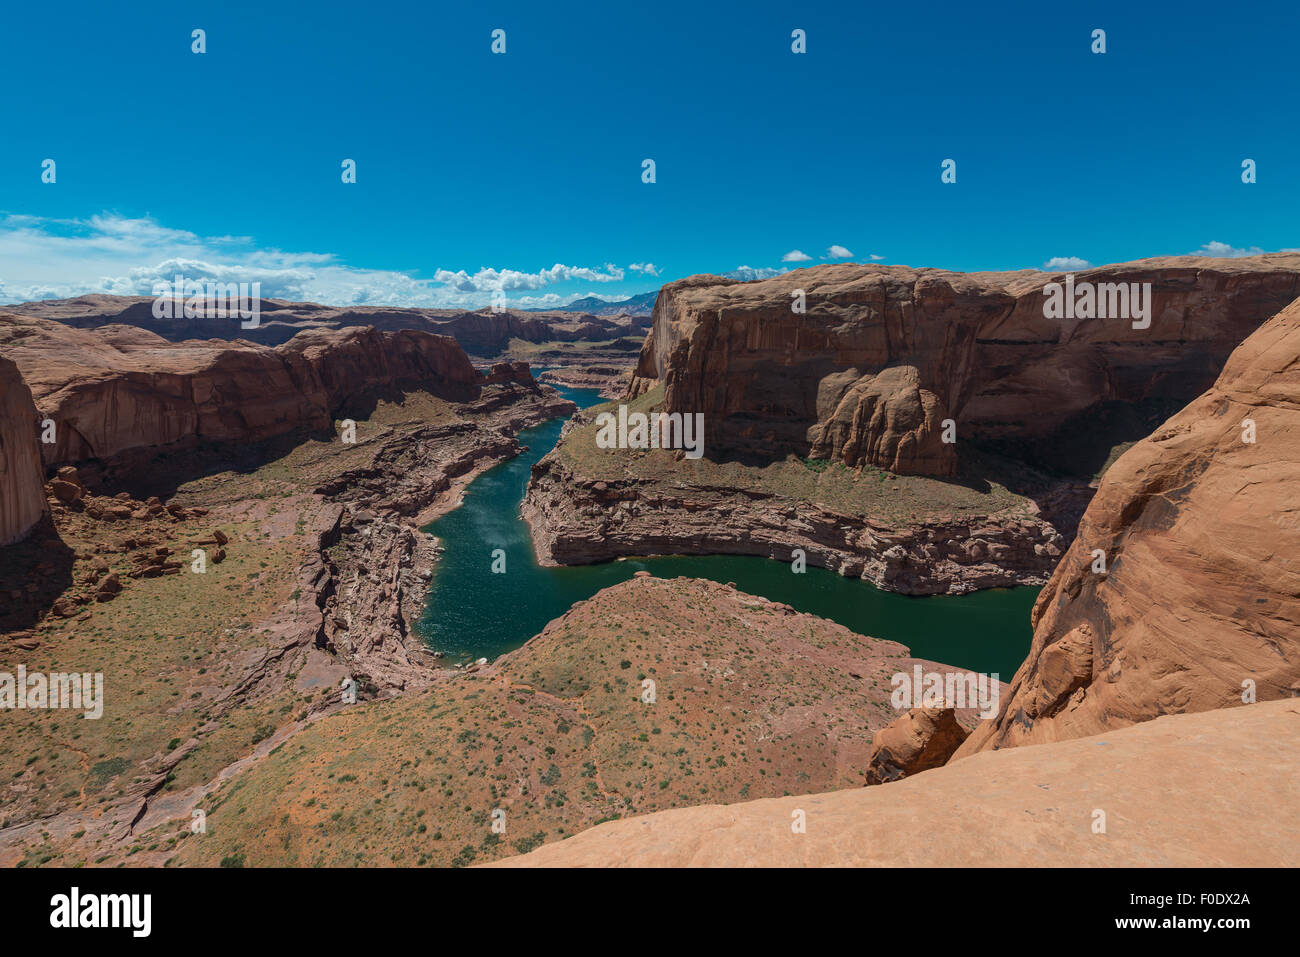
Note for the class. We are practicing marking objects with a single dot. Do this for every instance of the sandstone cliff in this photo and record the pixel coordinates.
(117, 388)
(22, 495)
(1199, 602)
(1171, 791)
(885, 354)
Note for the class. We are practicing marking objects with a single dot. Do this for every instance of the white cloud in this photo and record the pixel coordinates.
(1224, 251)
(795, 256)
(650, 269)
(44, 258)
(1065, 264)
(837, 252)
(746, 273)
(873, 256)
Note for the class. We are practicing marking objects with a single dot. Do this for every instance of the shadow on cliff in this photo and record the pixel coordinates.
(162, 471)
(33, 573)
(1086, 444)
(363, 405)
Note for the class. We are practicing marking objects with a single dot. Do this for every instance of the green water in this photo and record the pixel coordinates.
(473, 613)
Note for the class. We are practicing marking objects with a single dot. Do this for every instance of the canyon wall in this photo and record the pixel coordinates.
(22, 492)
(884, 354)
(116, 388)
(1198, 607)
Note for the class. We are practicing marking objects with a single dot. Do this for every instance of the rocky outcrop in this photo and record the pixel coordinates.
(118, 388)
(1170, 793)
(886, 419)
(884, 354)
(917, 741)
(576, 519)
(1182, 590)
(22, 495)
(610, 380)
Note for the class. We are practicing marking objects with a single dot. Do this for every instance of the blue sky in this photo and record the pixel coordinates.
(523, 171)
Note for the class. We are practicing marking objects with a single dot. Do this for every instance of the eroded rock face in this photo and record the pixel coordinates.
(885, 419)
(117, 388)
(575, 520)
(22, 495)
(921, 739)
(1200, 600)
(884, 354)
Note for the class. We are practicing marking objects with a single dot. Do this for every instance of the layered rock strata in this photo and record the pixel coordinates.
(117, 388)
(577, 519)
(882, 356)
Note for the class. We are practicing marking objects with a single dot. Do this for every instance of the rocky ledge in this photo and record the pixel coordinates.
(577, 520)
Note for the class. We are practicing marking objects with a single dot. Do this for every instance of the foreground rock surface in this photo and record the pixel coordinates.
(1200, 600)
(1171, 791)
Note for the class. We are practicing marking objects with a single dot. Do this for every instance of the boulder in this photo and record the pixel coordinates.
(921, 739)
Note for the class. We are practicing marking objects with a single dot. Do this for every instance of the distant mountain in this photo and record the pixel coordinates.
(641, 305)
(481, 332)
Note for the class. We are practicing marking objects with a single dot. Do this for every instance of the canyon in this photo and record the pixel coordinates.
(482, 333)
(115, 388)
(825, 429)
(315, 568)
(1150, 688)
(287, 687)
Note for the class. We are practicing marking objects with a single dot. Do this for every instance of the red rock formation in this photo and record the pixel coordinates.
(118, 387)
(884, 354)
(1200, 599)
(916, 741)
(22, 495)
